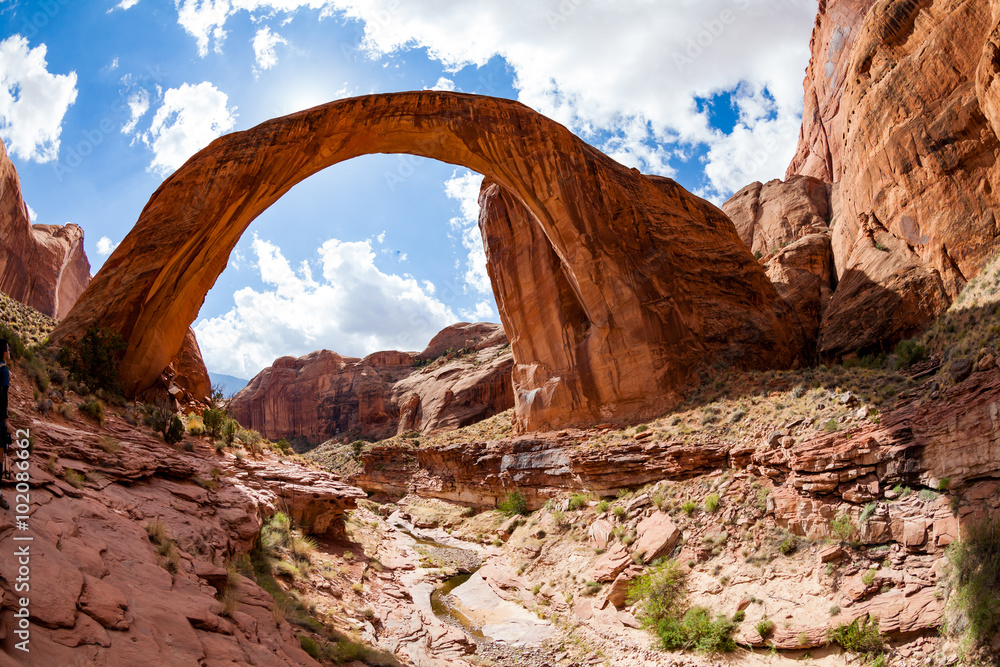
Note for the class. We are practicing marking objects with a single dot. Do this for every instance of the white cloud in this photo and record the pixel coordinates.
(187, 121)
(464, 189)
(138, 105)
(642, 86)
(205, 20)
(33, 102)
(263, 48)
(32, 216)
(381, 238)
(106, 246)
(352, 308)
(654, 62)
(443, 83)
(124, 4)
(483, 312)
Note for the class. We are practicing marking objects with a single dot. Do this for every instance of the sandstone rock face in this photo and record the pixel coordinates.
(43, 266)
(323, 394)
(770, 216)
(655, 283)
(801, 274)
(901, 117)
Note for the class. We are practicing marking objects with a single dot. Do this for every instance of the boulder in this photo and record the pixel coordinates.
(657, 536)
(770, 216)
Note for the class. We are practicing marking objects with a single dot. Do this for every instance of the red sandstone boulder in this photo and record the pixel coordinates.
(43, 266)
(462, 377)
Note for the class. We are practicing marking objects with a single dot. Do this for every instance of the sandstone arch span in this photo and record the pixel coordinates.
(615, 288)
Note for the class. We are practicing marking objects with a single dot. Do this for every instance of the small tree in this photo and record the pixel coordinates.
(175, 432)
(213, 418)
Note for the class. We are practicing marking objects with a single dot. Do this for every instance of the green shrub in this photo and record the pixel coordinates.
(96, 357)
(712, 502)
(859, 636)
(867, 513)
(310, 646)
(908, 352)
(831, 426)
(764, 627)
(843, 527)
(156, 418)
(357, 447)
(697, 630)
(513, 503)
(975, 596)
(578, 501)
(660, 590)
(229, 429)
(602, 507)
(213, 418)
(618, 511)
(739, 616)
(788, 546)
(591, 588)
(175, 432)
(868, 578)
(689, 507)
(93, 409)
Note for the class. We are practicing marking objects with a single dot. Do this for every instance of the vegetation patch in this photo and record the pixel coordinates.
(513, 503)
(661, 594)
(975, 581)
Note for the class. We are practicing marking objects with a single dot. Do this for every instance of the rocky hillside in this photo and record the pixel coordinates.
(462, 377)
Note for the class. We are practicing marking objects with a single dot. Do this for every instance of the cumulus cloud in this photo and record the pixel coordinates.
(124, 4)
(105, 246)
(655, 61)
(188, 120)
(263, 48)
(443, 83)
(464, 189)
(638, 96)
(205, 20)
(33, 101)
(351, 307)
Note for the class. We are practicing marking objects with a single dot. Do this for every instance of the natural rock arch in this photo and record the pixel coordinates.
(635, 284)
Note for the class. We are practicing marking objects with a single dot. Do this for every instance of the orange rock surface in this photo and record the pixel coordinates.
(901, 117)
(657, 283)
(43, 266)
(323, 395)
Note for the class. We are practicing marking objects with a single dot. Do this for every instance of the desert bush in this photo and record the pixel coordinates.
(975, 578)
(844, 528)
(764, 627)
(513, 503)
(213, 419)
(229, 428)
(602, 507)
(93, 409)
(578, 501)
(908, 352)
(712, 502)
(859, 636)
(95, 358)
(175, 432)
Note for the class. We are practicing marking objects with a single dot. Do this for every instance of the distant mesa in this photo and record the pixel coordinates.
(616, 289)
(463, 376)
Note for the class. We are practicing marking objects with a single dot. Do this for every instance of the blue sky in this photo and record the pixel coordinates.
(102, 100)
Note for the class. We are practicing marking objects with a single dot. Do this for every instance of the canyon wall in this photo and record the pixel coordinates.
(462, 377)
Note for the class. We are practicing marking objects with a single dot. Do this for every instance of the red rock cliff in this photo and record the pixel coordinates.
(43, 266)
(462, 377)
